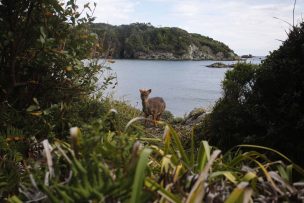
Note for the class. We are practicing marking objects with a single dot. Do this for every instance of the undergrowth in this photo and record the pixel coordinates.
(124, 166)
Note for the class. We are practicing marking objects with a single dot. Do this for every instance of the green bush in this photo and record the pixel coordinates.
(122, 113)
(43, 73)
(167, 116)
(46, 86)
(264, 104)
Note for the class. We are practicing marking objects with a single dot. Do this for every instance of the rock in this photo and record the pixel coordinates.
(155, 55)
(220, 56)
(221, 65)
(193, 53)
(247, 56)
(195, 116)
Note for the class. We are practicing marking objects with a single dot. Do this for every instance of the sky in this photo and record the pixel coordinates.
(246, 26)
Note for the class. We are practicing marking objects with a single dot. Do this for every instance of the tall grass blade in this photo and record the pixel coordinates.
(249, 176)
(203, 155)
(133, 121)
(283, 182)
(167, 139)
(192, 150)
(227, 174)
(140, 175)
(295, 166)
(266, 148)
(47, 149)
(177, 172)
(179, 146)
(152, 185)
(197, 192)
(240, 194)
(14, 199)
(268, 176)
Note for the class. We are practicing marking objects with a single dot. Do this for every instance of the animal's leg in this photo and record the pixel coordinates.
(158, 117)
(145, 122)
(154, 119)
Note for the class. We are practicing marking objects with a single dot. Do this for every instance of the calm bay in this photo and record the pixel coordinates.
(184, 85)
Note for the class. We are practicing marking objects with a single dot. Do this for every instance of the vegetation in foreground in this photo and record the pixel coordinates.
(128, 167)
(47, 88)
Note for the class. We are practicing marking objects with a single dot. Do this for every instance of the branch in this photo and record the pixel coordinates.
(283, 21)
(293, 12)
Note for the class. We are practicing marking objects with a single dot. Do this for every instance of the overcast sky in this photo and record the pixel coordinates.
(246, 26)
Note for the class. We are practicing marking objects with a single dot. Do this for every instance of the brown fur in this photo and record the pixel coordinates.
(154, 106)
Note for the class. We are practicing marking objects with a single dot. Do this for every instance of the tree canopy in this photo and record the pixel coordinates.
(127, 41)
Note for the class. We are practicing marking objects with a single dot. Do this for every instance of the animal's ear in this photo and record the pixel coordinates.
(140, 90)
(149, 90)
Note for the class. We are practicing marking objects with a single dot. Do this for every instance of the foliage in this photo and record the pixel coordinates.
(231, 117)
(122, 113)
(119, 167)
(128, 41)
(42, 48)
(263, 105)
(46, 86)
(167, 116)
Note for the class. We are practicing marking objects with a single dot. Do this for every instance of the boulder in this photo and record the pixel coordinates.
(220, 65)
(195, 116)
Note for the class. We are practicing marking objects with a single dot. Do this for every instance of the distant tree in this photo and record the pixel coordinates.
(126, 40)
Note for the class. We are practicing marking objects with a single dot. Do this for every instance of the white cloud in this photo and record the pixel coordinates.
(246, 26)
(113, 11)
(189, 9)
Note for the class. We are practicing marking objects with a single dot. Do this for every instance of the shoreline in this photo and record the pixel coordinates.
(178, 60)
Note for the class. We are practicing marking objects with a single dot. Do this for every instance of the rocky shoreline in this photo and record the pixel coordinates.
(194, 53)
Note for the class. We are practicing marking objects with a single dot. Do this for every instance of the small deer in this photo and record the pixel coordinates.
(154, 106)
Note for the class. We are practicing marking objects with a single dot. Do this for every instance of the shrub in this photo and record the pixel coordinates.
(46, 86)
(167, 116)
(43, 74)
(263, 105)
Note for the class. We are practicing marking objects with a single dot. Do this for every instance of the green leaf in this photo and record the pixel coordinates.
(298, 168)
(192, 150)
(203, 155)
(167, 139)
(140, 175)
(197, 192)
(179, 146)
(227, 174)
(240, 194)
(14, 199)
(249, 176)
(152, 185)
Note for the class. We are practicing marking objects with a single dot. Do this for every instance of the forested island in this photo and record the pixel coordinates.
(144, 41)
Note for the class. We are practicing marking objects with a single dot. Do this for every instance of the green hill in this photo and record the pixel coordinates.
(144, 41)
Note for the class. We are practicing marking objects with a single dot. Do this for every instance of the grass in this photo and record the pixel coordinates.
(123, 166)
